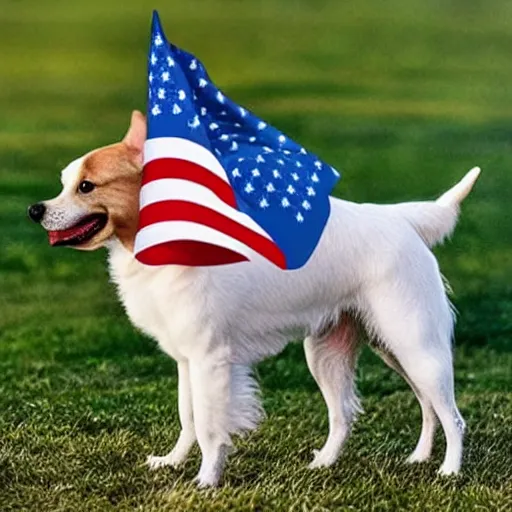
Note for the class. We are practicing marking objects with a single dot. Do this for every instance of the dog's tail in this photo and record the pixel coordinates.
(435, 220)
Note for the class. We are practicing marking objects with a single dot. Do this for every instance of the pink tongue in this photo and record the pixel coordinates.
(68, 234)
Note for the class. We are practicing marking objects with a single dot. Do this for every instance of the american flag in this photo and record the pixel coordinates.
(219, 184)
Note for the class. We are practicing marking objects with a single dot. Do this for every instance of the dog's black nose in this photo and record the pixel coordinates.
(36, 211)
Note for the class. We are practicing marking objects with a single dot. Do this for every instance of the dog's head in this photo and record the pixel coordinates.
(99, 197)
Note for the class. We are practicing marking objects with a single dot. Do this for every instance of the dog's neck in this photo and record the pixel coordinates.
(123, 263)
(125, 237)
(126, 229)
(120, 254)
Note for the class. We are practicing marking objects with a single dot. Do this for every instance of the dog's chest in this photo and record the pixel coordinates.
(161, 302)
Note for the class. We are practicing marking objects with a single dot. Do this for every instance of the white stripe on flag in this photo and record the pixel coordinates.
(170, 231)
(174, 189)
(175, 147)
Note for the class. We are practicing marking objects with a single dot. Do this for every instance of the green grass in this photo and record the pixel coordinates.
(404, 97)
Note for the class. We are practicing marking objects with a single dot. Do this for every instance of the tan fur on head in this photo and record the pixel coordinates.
(115, 172)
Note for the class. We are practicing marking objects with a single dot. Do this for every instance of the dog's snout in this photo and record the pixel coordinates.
(36, 211)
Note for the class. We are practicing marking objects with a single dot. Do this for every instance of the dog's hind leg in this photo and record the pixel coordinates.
(423, 449)
(187, 435)
(413, 319)
(331, 360)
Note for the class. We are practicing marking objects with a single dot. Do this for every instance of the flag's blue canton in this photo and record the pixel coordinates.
(283, 187)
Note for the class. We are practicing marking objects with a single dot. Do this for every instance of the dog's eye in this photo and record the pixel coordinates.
(86, 186)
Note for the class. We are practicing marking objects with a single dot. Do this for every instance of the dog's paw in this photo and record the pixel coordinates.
(321, 460)
(174, 459)
(448, 470)
(206, 481)
(415, 458)
(154, 462)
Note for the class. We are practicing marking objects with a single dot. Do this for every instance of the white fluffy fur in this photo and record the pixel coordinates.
(372, 266)
(372, 261)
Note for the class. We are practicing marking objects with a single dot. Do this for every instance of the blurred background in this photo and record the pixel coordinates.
(402, 96)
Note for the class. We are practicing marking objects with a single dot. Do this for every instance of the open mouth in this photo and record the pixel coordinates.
(81, 232)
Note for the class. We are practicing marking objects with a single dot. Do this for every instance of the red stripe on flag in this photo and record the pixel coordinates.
(189, 253)
(163, 168)
(185, 211)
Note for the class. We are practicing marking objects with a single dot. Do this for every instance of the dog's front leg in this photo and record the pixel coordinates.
(210, 378)
(187, 435)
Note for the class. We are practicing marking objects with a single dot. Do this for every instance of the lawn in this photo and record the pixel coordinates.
(403, 97)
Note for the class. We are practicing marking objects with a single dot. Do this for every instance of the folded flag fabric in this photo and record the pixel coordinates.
(220, 185)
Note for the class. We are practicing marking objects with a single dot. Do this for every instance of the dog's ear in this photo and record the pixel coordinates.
(136, 134)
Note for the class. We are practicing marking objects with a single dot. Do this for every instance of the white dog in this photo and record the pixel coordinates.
(372, 268)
